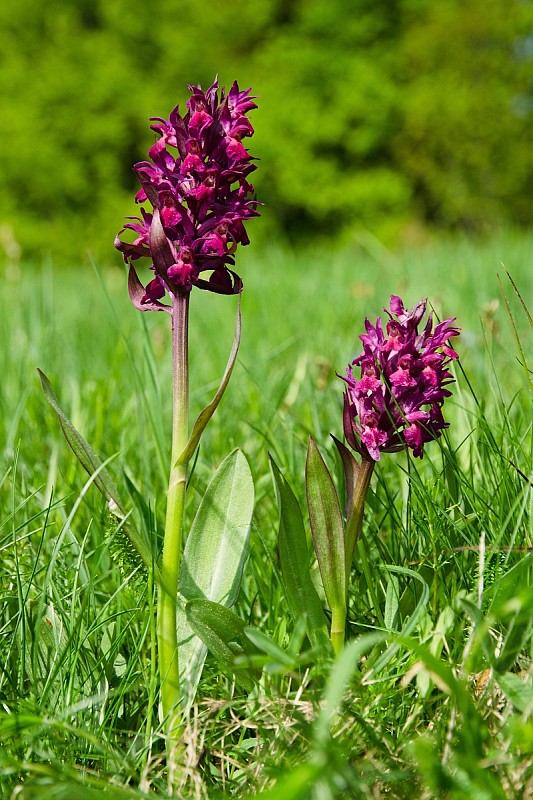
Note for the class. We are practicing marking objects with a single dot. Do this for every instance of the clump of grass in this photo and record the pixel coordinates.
(434, 696)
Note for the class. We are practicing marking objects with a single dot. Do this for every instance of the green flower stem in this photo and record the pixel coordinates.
(352, 532)
(172, 544)
(355, 515)
(338, 627)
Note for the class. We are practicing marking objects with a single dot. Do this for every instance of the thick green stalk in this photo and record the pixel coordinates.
(354, 522)
(172, 544)
(352, 532)
(338, 627)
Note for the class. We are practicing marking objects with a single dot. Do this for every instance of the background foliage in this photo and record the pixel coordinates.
(375, 114)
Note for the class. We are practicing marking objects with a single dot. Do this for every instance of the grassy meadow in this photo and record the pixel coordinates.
(433, 696)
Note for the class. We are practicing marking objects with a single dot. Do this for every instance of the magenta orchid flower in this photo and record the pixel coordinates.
(197, 184)
(397, 399)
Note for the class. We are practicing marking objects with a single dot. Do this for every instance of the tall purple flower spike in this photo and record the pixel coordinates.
(200, 196)
(397, 399)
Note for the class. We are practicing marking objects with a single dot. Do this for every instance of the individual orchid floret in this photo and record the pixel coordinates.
(396, 400)
(197, 182)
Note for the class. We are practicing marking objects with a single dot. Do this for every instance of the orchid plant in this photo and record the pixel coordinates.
(196, 182)
(395, 403)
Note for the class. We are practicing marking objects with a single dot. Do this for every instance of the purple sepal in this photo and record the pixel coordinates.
(222, 282)
(138, 295)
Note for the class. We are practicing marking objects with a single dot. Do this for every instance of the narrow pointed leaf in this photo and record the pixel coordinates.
(344, 667)
(214, 556)
(267, 645)
(411, 623)
(94, 466)
(522, 301)
(300, 591)
(326, 526)
(205, 415)
(89, 460)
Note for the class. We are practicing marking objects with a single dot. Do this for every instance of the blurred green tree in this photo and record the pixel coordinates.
(330, 106)
(373, 112)
(466, 138)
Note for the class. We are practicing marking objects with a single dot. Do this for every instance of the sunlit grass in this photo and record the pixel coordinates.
(439, 690)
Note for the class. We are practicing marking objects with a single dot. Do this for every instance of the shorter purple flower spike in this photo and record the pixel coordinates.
(396, 401)
(200, 196)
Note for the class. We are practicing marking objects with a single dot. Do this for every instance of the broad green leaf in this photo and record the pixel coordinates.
(94, 466)
(205, 415)
(326, 526)
(222, 632)
(217, 545)
(300, 591)
(214, 557)
(223, 621)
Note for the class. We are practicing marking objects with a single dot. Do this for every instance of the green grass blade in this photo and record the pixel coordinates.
(515, 329)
